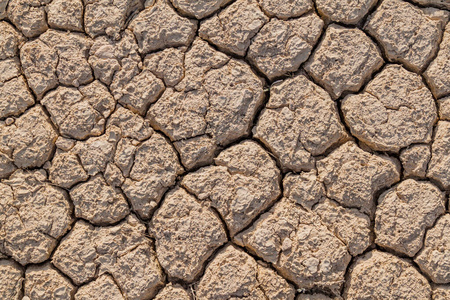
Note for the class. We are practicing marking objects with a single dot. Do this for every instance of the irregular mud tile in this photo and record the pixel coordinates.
(282, 46)
(173, 292)
(232, 29)
(65, 15)
(304, 189)
(125, 155)
(7, 166)
(199, 9)
(349, 225)
(415, 160)
(299, 247)
(155, 169)
(196, 152)
(44, 282)
(353, 176)
(132, 125)
(395, 110)
(30, 140)
(98, 202)
(300, 120)
(437, 72)
(445, 4)
(386, 276)
(159, 26)
(408, 34)
(15, 97)
(244, 182)
(11, 40)
(9, 68)
(440, 158)
(113, 175)
(186, 234)
(108, 17)
(95, 152)
(213, 105)
(56, 57)
(405, 212)
(28, 16)
(233, 274)
(115, 62)
(434, 259)
(11, 278)
(441, 292)
(123, 251)
(80, 113)
(102, 288)
(3, 4)
(344, 60)
(66, 170)
(143, 89)
(444, 108)
(285, 9)
(315, 297)
(344, 11)
(35, 214)
(167, 65)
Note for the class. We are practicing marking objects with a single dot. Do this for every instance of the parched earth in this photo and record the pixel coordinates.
(224, 149)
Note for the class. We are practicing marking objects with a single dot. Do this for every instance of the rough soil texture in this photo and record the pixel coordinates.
(224, 149)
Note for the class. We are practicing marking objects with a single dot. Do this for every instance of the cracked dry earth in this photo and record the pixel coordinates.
(224, 149)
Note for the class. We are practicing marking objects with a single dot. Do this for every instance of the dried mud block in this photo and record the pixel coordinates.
(300, 121)
(415, 160)
(344, 60)
(44, 282)
(441, 292)
(3, 4)
(11, 279)
(315, 297)
(80, 113)
(123, 251)
(299, 246)
(28, 16)
(353, 176)
(199, 9)
(9, 69)
(440, 157)
(108, 17)
(437, 72)
(155, 169)
(159, 26)
(437, 3)
(282, 46)
(349, 225)
(233, 274)
(408, 34)
(28, 142)
(132, 125)
(186, 234)
(304, 189)
(66, 170)
(65, 14)
(344, 11)
(115, 62)
(444, 108)
(434, 258)
(54, 58)
(386, 276)
(98, 202)
(212, 106)
(102, 288)
(232, 29)
(173, 292)
(15, 97)
(285, 9)
(11, 40)
(34, 215)
(395, 110)
(167, 65)
(405, 212)
(242, 184)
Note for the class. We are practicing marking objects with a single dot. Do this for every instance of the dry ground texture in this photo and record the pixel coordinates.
(224, 149)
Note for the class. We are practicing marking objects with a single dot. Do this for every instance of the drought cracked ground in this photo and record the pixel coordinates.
(224, 149)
